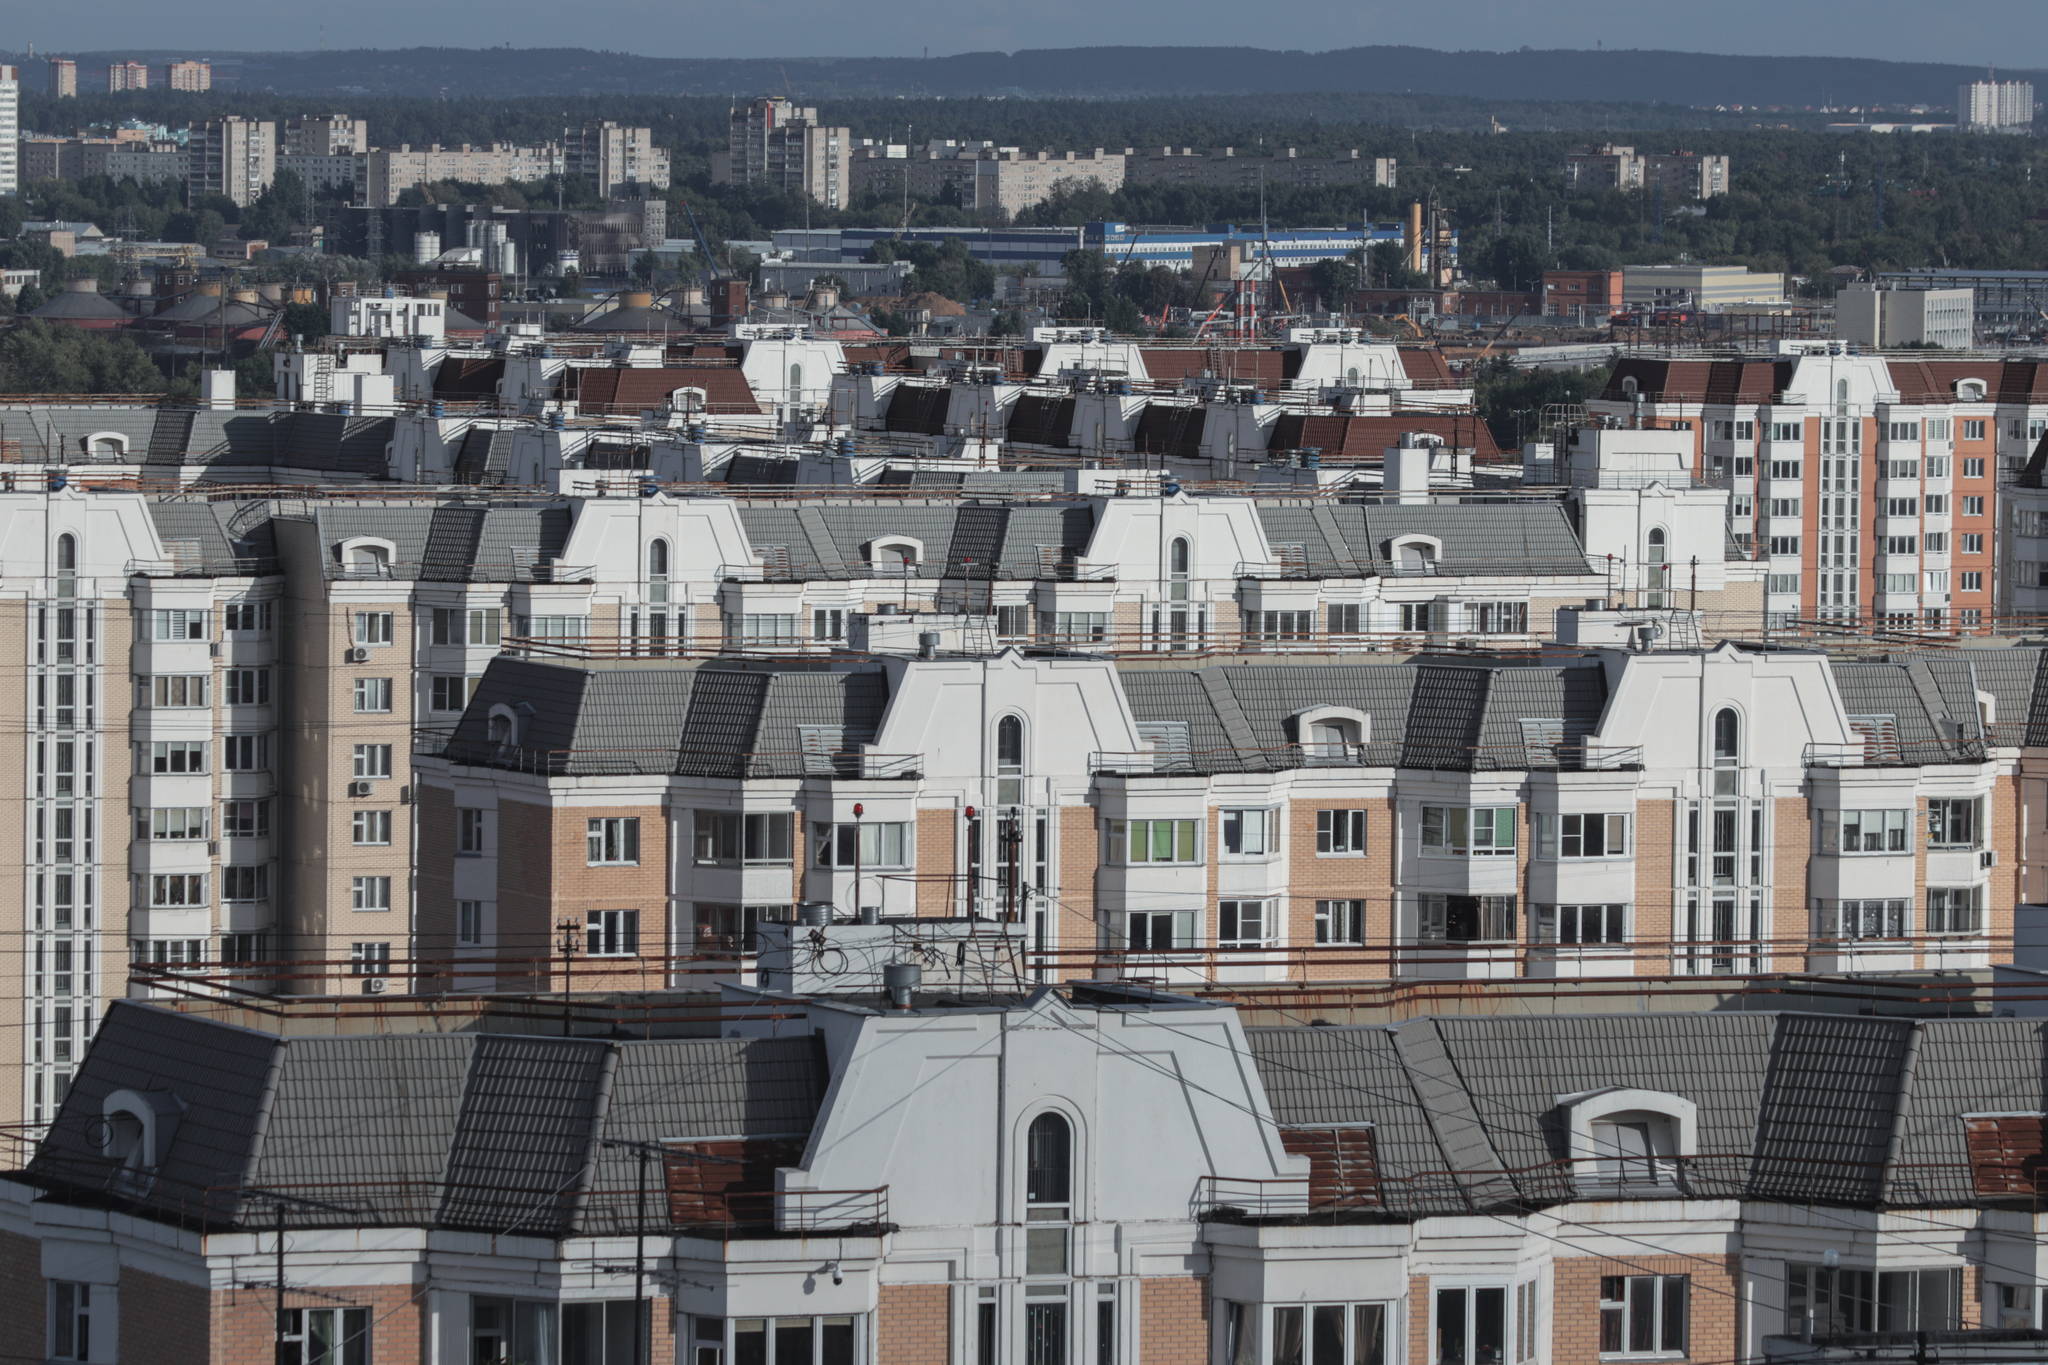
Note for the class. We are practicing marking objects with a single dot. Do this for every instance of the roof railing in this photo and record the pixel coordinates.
(182, 567)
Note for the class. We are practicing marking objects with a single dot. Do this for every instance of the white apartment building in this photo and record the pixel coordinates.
(775, 140)
(10, 129)
(385, 173)
(1995, 106)
(1870, 315)
(1237, 168)
(233, 156)
(614, 159)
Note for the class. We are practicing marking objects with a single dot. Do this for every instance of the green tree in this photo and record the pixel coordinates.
(279, 209)
(308, 320)
(1088, 284)
(1512, 400)
(1336, 281)
(1516, 260)
(36, 357)
(1387, 268)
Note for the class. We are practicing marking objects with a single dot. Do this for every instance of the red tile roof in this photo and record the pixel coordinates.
(1352, 439)
(628, 391)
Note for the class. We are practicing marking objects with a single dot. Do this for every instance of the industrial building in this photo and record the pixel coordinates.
(1706, 288)
(1876, 315)
(2008, 303)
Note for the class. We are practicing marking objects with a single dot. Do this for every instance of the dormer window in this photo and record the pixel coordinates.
(1629, 1140)
(1331, 734)
(366, 557)
(135, 1132)
(1415, 554)
(1970, 390)
(896, 555)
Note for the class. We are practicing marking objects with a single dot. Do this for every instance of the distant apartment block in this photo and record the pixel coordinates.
(322, 135)
(384, 174)
(126, 76)
(1995, 106)
(613, 159)
(144, 162)
(189, 76)
(980, 175)
(1875, 315)
(10, 129)
(233, 156)
(784, 144)
(63, 78)
(1609, 167)
(1230, 168)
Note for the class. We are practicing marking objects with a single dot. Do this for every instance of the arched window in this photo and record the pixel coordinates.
(1010, 761)
(1351, 377)
(67, 553)
(1629, 387)
(1841, 398)
(1656, 570)
(1727, 751)
(796, 384)
(657, 571)
(1049, 1159)
(1177, 557)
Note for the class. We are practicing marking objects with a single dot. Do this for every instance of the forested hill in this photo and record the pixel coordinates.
(1681, 78)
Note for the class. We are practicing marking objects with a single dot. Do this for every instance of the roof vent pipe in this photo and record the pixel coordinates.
(899, 979)
(927, 644)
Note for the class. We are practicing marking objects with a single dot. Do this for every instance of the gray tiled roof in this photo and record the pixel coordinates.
(1507, 539)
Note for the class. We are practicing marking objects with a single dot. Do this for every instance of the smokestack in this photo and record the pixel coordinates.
(1413, 244)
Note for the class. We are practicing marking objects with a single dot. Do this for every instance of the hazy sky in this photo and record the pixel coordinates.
(2010, 32)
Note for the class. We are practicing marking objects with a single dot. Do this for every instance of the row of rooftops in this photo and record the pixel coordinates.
(499, 1133)
(725, 719)
(1743, 381)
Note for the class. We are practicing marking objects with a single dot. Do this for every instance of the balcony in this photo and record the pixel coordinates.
(183, 566)
(859, 765)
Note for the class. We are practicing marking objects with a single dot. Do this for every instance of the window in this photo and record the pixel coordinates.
(1417, 616)
(1784, 507)
(1822, 1303)
(449, 693)
(614, 933)
(1970, 616)
(1954, 823)
(246, 617)
(245, 819)
(1785, 469)
(1898, 582)
(1340, 831)
(1970, 580)
(370, 893)
(1048, 1193)
(1742, 506)
(1735, 431)
(1340, 921)
(373, 627)
(1279, 627)
(1781, 583)
(1902, 431)
(176, 756)
(1788, 431)
(1344, 619)
(727, 838)
(829, 625)
(174, 889)
(245, 753)
(369, 959)
(469, 923)
(1643, 1314)
(373, 694)
(1955, 909)
(251, 883)
(1973, 428)
(552, 627)
(1464, 919)
(1865, 831)
(1969, 543)
(657, 571)
(241, 950)
(174, 625)
(162, 952)
(1862, 919)
(1582, 836)
(1783, 545)
(1582, 924)
(70, 1317)
(1322, 1334)
(1159, 930)
(761, 629)
(871, 843)
(1937, 580)
(1497, 618)
(324, 1336)
(1012, 623)
(614, 839)
(1971, 506)
(1471, 1326)
(1902, 507)
(1937, 466)
(1901, 469)
(184, 690)
(1151, 841)
(1243, 924)
(372, 760)
(1483, 831)
(1010, 761)
(465, 626)
(1745, 466)
(1973, 468)
(171, 822)
(1080, 627)
(371, 826)
(247, 686)
(1935, 504)
(471, 823)
(1250, 833)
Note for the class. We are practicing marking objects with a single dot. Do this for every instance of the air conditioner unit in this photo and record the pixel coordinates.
(1988, 858)
(376, 985)
(359, 789)
(358, 655)
(214, 649)
(213, 848)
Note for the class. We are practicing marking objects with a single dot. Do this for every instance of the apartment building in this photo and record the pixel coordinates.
(1618, 813)
(63, 78)
(777, 141)
(188, 76)
(1089, 1173)
(615, 160)
(1995, 106)
(1870, 485)
(10, 129)
(385, 173)
(233, 156)
(1609, 167)
(1873, 315)
(1236, 168)
(127, 76)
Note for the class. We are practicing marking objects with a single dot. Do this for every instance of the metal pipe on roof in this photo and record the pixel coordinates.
(600, 1110)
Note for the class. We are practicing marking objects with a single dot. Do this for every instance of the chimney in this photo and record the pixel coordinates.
(1405, 468)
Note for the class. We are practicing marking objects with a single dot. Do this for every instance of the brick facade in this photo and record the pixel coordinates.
(1657, 853)
(435, 923)
(244, 1322)
(1791, 834)
(1079, 855)
(580, 888)
(914, 1324)
(168, 1323)
(1713, 1324)
(1173, 1321)
(23, 1299)
(938, 893)
(1316, 877)
(526, 873)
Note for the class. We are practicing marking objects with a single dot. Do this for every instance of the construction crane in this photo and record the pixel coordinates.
(702, 245)
(1497, 336)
